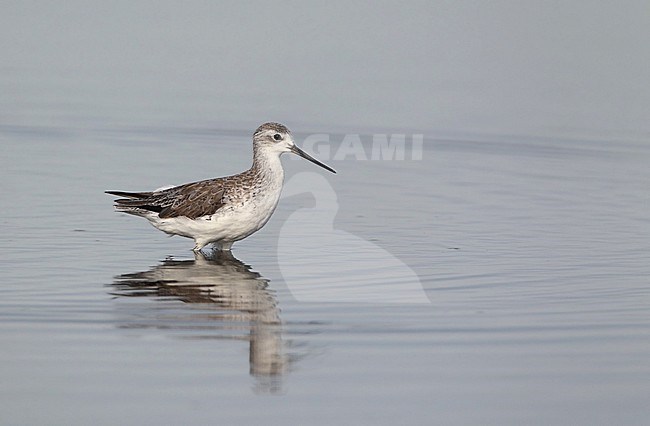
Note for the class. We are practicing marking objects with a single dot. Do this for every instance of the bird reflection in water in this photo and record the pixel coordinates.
(230, 297)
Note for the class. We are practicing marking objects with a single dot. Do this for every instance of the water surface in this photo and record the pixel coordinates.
(531, 254)
(501, 278)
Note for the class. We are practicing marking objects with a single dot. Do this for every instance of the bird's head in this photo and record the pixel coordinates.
(277, 138)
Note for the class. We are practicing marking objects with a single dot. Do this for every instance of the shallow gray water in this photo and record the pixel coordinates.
(532, 254)
(486, 279)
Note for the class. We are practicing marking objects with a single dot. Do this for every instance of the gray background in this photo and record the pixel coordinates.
(543, 68)
(526, 220)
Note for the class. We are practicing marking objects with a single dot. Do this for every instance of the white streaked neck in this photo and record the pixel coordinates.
(268, 164)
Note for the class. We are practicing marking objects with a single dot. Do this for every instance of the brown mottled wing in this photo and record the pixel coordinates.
(191, 200)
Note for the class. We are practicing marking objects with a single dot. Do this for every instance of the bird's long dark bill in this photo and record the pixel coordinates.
(306, 156)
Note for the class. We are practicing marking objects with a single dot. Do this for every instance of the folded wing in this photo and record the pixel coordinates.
(191, 200)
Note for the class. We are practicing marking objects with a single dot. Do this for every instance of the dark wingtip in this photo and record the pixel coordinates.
(129, 194)
(117, 193)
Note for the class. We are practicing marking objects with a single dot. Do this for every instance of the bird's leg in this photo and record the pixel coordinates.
(222, 245)
(225, 246)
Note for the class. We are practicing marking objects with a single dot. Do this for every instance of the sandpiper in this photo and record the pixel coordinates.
(223, 210)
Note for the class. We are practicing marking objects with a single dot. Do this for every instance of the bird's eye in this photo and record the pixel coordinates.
(277, 137)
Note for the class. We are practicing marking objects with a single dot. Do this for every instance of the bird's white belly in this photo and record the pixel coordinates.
(232, 222)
